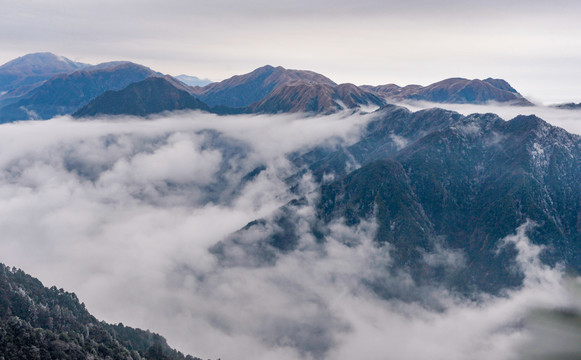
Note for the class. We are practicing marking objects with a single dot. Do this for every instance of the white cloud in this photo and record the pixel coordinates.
(119, 212)
(569, 120)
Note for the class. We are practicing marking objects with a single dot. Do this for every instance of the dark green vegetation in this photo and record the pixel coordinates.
(41, 323)
(435, 181)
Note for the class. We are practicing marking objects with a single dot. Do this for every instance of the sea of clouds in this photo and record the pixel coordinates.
(124, 212)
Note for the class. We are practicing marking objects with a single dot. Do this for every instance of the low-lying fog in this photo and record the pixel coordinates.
(123, 211)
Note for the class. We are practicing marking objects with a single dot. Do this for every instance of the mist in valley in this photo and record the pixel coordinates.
(128, 213)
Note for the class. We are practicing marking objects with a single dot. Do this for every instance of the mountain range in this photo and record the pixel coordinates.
(443, 189)
(455, 90)
(43, 85)
(64, 93)
(435, 180)
(34, 68)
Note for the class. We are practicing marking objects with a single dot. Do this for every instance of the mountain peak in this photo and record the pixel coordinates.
(41, 62)
(501, 84)
(455, 90)
(527, 122)
(33, 68)
(267, 67)
(64, 93)
(242, 90)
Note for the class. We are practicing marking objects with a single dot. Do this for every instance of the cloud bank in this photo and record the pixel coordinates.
(569, 120)
(124, 212)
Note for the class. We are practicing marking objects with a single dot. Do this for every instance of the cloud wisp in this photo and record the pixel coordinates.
(569, 120)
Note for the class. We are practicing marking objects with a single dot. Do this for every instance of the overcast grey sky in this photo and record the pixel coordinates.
(535, 45)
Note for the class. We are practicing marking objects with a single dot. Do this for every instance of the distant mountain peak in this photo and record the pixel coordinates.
(65, 93)
(267, 68)
(242, 90)
(306, 96)
(34, 68)
(455, 90)
(193, 80)
(40, 60)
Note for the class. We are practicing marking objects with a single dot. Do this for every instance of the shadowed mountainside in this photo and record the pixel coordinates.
(149, 96)
(65, 93)
(43, 85)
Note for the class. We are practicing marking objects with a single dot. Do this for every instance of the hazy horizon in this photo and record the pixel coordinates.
(533, 45)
